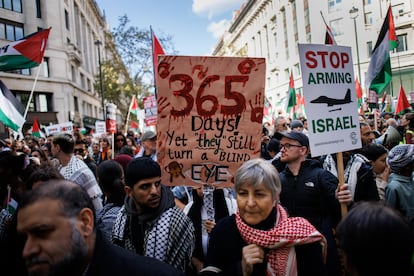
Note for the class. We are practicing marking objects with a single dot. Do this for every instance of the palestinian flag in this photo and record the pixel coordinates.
(358, 90)
(291, 95)
(36, 128)
(133, 108)
(329, 37)
(134, 124)
(403, 106)
(156, 51)
(24, 53)
(379, 69)
(11, 109)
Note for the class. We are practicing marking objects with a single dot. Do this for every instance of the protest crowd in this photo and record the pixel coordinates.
(213, 187)
(283, 204)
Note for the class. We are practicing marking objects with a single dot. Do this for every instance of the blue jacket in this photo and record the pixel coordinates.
(399, 194)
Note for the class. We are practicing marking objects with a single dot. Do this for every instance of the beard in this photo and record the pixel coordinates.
(74, 260)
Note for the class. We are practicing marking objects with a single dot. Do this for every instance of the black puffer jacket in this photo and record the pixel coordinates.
(311, 194)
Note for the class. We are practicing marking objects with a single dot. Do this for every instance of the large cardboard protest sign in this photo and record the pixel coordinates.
(210, 112)
(330, 98)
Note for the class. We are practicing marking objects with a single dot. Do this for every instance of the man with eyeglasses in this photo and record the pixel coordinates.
(74, 169)
(309, 191)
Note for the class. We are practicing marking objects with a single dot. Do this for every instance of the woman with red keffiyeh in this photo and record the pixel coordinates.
(260, 239)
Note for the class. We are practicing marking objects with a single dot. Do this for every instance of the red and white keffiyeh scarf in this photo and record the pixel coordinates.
(281, 240)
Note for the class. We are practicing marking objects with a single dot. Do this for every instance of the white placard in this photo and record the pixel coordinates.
(330, 98)
(59, 128)
(100, 127)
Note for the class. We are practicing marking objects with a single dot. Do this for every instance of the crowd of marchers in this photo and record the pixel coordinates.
(81, 204)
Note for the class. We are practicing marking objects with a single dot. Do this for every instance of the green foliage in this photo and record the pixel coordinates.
(129, 71)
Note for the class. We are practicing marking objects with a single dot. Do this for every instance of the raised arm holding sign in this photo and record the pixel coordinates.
(331, 104)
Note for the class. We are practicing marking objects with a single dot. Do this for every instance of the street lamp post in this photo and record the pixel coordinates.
(99, 43)
(354, 14)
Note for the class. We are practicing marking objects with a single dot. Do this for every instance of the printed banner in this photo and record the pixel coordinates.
(150, 108)
(111, 117)
(100, 128)
(59, 128)
(210, 113)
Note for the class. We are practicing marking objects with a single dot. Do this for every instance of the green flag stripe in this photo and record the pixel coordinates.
(8, 122)
(12, 62)
(383, 77)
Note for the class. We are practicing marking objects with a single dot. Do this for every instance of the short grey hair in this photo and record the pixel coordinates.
(256, 172)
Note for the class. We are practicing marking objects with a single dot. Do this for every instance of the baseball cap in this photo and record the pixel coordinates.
(294, 135)
(148, 135)
(273, 145)
(296, 123)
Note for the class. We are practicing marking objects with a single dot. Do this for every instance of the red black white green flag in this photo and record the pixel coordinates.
(11, 109)
(36, 128)
(329, 37)
(156, 51)
(292, 95)
(358, 92)
(403, 106)
(379, 70)
(133, 108)
(24, 53)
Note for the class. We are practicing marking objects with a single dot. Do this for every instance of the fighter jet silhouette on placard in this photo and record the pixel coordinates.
(332, 101)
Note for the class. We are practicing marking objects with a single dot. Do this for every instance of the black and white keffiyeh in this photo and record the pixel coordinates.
(169, 237)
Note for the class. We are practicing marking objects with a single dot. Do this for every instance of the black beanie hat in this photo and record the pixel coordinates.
(141, 168)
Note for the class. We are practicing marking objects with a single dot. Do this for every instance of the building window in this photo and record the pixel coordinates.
(45, 65)
(369, 20)
(13, 5)
(67, 20)
(11, 31)
(333, 5)
(402, 43)
(25, 72)
(307, 21)
(369, 48)
(42, 103)
(38, 9)
(73, 73)
(285, 33)
(76, 103)
(336, 27)
(296, 68)
(287, 74)
(82, 79)
(88, 85)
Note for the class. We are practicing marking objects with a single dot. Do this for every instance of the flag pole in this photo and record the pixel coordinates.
(127, 121)
(153, 65)
(323, 18)
(399, 67)
(31, 92)
(129, 113)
